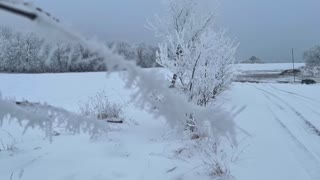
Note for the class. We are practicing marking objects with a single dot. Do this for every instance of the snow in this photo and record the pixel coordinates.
(142, 148)
(281, 119)
(282, 145)
(267, 66)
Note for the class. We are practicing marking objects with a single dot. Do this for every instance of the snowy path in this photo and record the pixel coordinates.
(285, 133)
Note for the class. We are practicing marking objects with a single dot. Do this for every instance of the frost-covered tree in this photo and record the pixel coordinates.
(14, 51)
(125, 49)
(312, 60)
(60, 57)
(30, 60)
(312, 56)
(146, 55)
(5, 35)
(198, 55)
(20, 52)
(25, 52)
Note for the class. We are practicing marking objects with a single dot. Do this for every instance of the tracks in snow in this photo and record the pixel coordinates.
(295, 94)
(309, 124)
(306, 101)
(305, 142)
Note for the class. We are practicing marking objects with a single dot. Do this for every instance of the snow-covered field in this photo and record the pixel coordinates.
(142, 148)
(267, 66)
(271, 73)
(282, 121)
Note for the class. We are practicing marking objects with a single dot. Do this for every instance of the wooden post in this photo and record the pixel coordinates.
(293, 68)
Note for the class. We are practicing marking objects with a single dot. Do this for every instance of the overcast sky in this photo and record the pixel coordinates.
(265, 28)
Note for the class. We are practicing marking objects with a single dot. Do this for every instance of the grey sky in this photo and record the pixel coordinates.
(265, 28)
(270, 28)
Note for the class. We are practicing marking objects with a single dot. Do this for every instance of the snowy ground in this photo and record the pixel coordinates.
(142, 148)
(267, 66)
(282, 120)
(284, 124)
(270, 73)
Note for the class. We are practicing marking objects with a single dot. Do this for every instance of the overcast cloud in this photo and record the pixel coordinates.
(265, 28)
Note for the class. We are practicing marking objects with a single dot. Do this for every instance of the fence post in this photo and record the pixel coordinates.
(293, 70)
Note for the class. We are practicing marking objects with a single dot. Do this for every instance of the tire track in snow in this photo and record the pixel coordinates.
(295, 94)
(300, 98)
(311, 126)
(312, 145)
(313, 165)
(309, 160)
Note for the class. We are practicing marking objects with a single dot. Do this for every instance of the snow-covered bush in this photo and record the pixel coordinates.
(46, 117)
(311, 71)
(100, 107)
(7, 142)
(199, 56)
(215, 160)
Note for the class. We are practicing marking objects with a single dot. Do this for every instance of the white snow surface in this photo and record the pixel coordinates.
(267, 66)
(142, 148)
(282, 121)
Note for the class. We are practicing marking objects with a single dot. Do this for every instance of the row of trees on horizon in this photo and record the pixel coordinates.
(22, 52)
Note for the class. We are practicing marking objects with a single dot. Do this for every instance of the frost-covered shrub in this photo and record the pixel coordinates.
(215, 159)
(312, 60)
(46, 117)
(7, 142)
(311, 71)
(101, 107)
(144, 55)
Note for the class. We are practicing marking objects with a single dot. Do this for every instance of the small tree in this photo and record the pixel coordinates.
(125, 49)
(199, 57)
(253, 60)
(5, 35)
(312, 60)
(312, 56)
(146, 55)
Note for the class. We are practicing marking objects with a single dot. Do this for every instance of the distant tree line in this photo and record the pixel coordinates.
(30, 53)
